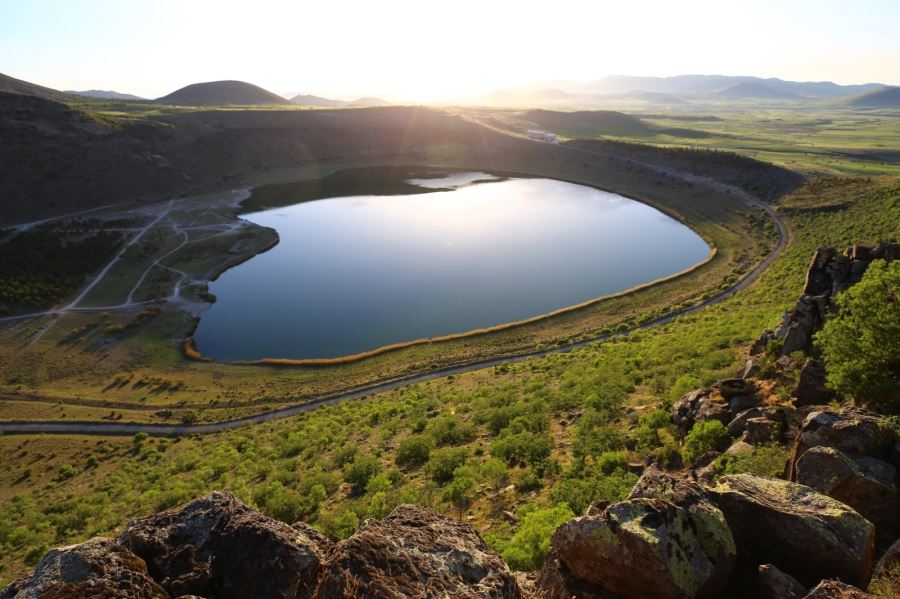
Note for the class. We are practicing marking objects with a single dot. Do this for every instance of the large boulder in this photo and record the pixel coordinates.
(803, 533)
(96, 568)
(666, 540)
(701, 404)
(866, 484)
(854, 432)
(415, 552)
(216, 545)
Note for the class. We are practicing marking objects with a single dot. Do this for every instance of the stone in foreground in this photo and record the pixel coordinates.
(216, 545)
(96, 568)
(415, 552)
(666, 541)
(803, 533)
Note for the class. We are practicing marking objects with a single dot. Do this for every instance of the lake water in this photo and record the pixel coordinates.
(355, 273)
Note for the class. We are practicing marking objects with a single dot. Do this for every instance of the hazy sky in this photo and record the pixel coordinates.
(423, 49)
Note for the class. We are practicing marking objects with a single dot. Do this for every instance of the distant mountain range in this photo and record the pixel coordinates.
(222, 93)
(678, 90)
(104, 94)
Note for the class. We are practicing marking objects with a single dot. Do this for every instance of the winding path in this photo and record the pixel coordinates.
(109, 428)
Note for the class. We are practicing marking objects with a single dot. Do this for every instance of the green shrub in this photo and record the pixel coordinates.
(706, 435)
(766, 460)
(528, 481)
(443, 462)
(414, 451)
(527, 548)
(358, 473)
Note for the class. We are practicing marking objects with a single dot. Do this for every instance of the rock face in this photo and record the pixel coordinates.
(96, 568)
(415, 552)
(804, 533)
(218, 546)
(665, 540)
(828, 274)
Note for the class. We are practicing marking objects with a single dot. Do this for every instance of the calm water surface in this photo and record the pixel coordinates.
(355, 273)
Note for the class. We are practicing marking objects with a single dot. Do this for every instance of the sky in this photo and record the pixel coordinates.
(438, 49)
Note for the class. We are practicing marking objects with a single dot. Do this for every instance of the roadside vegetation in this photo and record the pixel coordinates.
(514, 449)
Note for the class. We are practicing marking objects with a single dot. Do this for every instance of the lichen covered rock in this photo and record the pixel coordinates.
(866, 484)
(666, 540)
(802, 532)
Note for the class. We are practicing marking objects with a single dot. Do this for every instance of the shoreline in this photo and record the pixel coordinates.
(191, 352)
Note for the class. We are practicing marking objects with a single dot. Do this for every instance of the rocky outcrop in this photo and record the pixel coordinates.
(804, 533)
(835, 589)
(216, 545)
(855, 432)
(415, 552)
(829, 273)
(701, 404)
(97, 568)
(666, 540)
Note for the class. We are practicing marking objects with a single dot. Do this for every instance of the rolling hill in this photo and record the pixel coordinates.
(102, 94)
(217, 93)
(17, 86)
(310, 100)
(885, 97)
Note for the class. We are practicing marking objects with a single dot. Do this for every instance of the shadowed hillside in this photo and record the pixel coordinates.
(222, 93)
(17, 86)
(587, 122)
(886, 97)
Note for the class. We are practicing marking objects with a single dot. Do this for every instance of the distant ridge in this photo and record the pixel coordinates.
(104, 94)
(369, 101)
(755, 89)
(222, 93)
(310, 100)
(17, 86)
(885, 97)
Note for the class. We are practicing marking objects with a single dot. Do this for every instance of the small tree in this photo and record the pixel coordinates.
(459, 491)
(861, 345)
(358, 473)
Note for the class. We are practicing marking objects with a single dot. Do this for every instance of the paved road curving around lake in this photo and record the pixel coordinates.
(175, 430)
